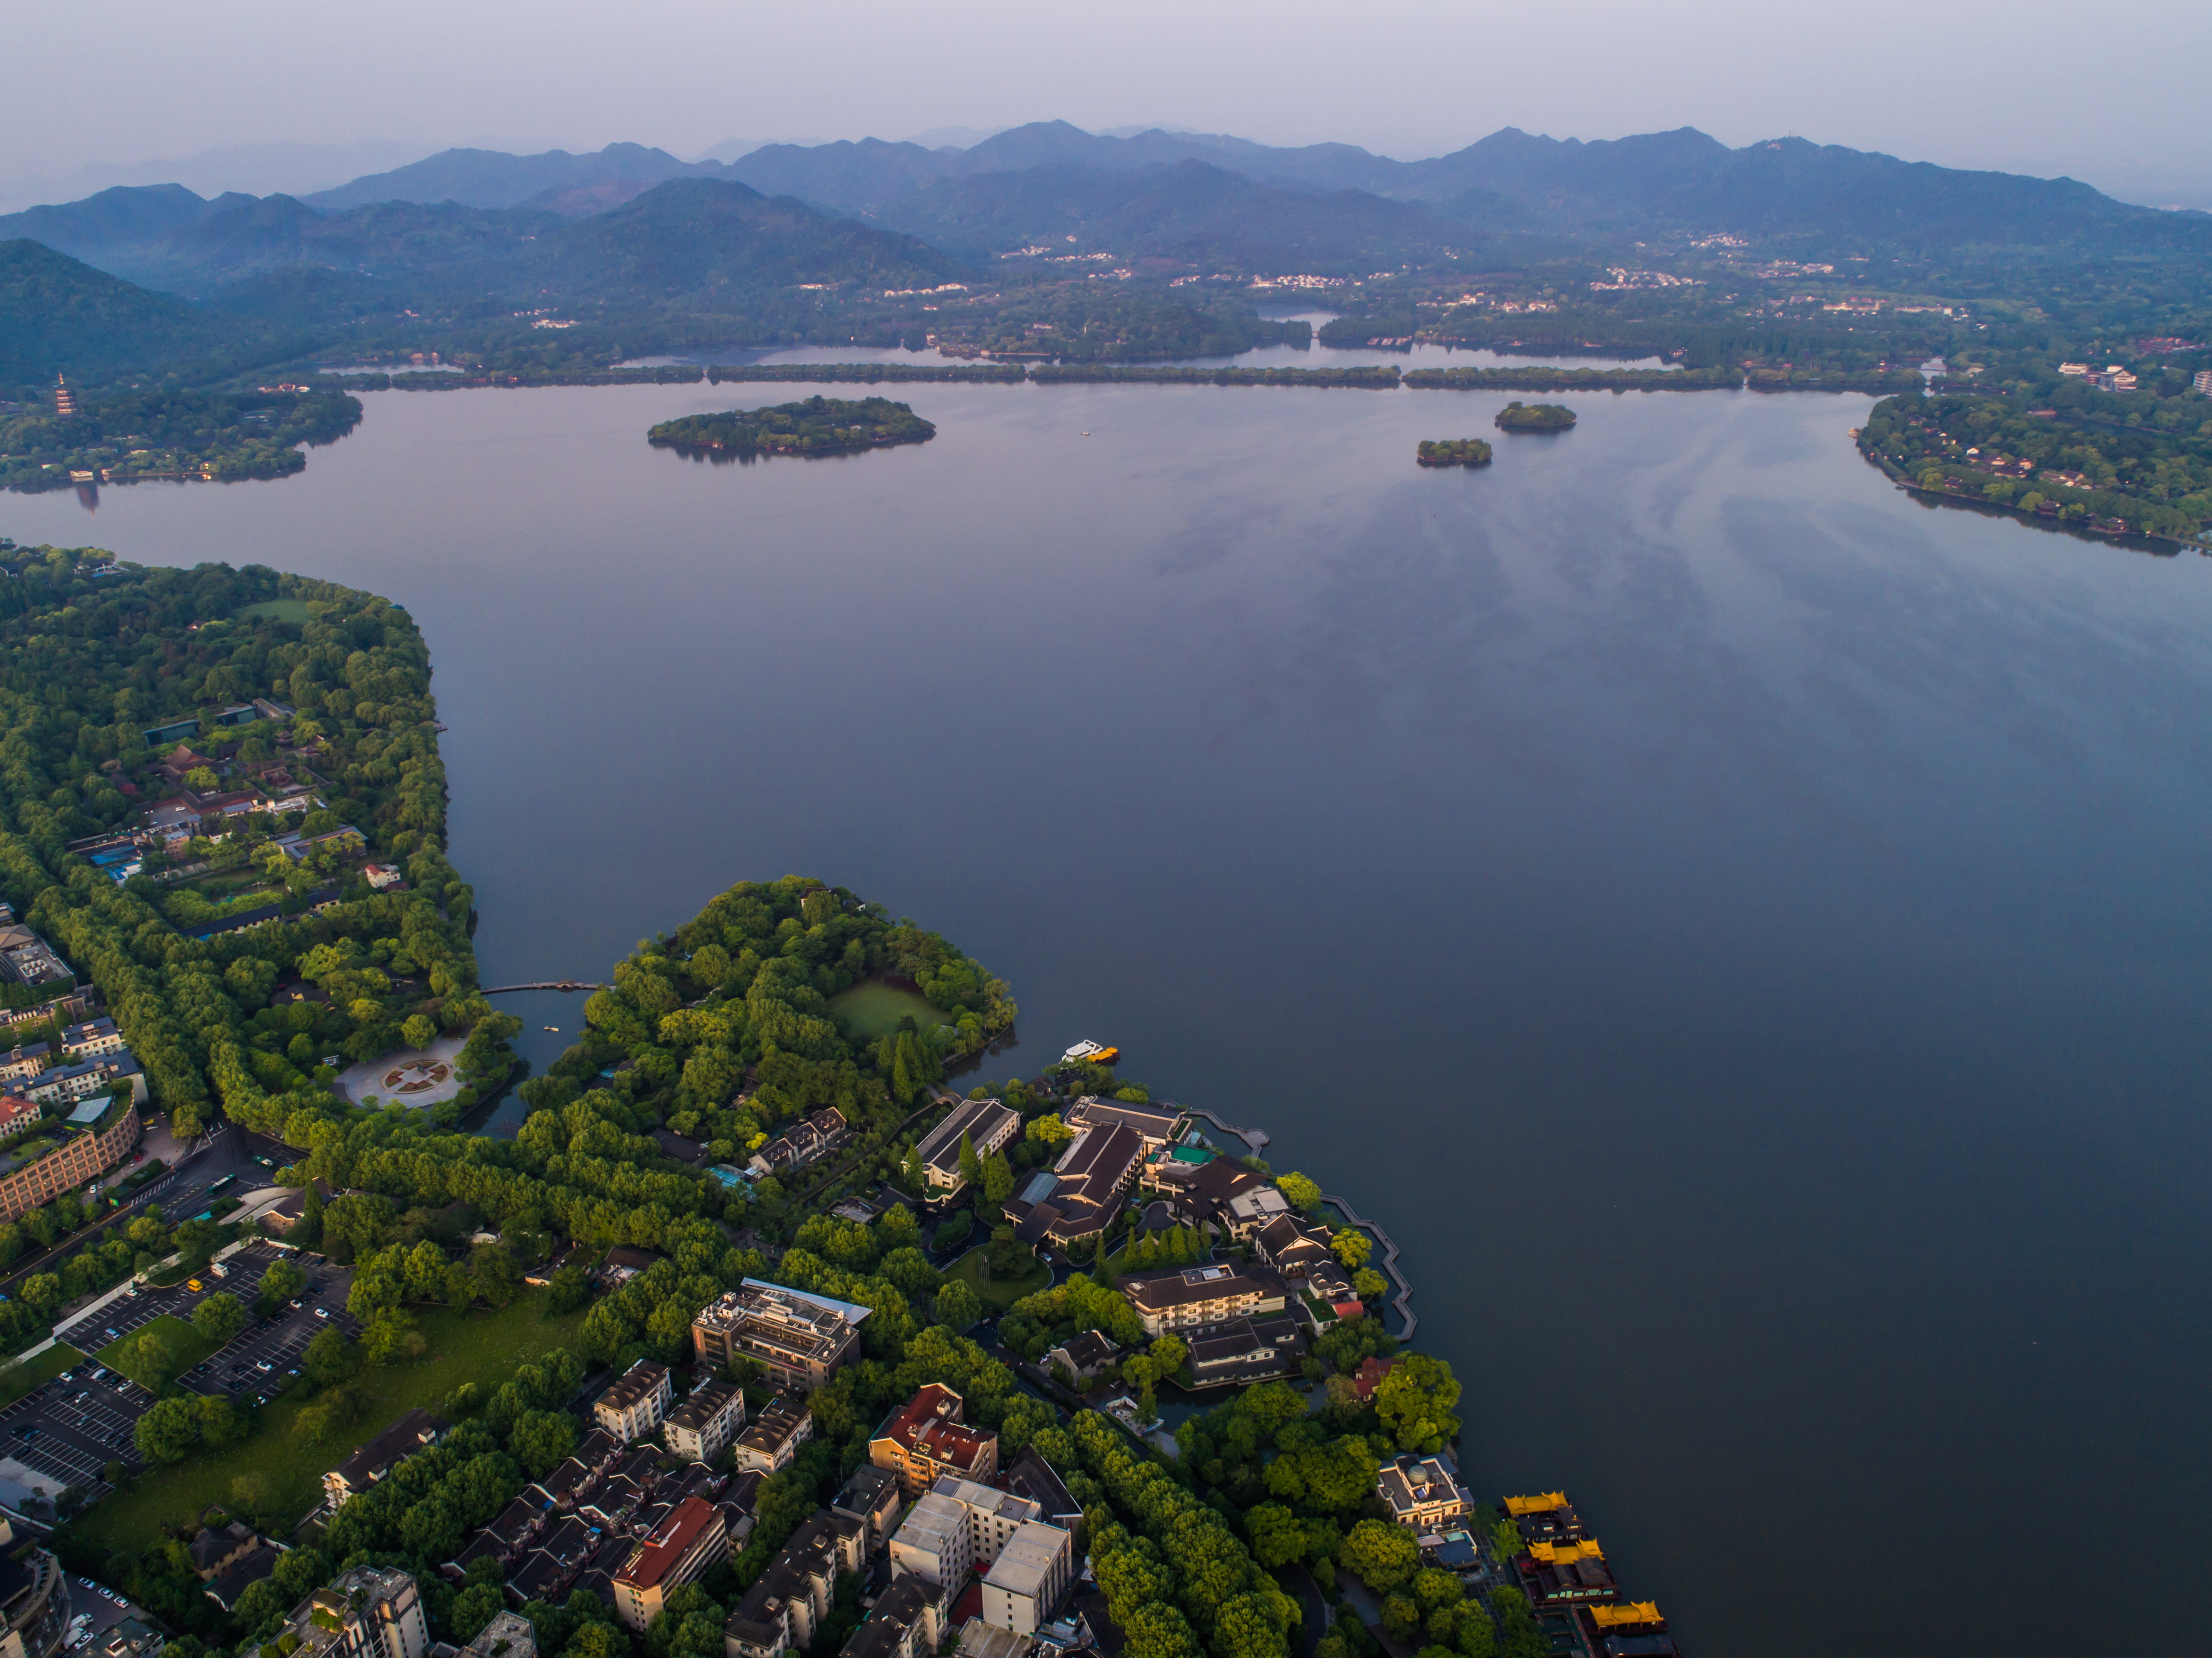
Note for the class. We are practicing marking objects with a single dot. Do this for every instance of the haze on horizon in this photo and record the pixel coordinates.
(2016, 87)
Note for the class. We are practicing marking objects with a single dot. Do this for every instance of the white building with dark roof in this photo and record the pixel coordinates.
(988, 1125)
(1178, 1297)
(634, 1405)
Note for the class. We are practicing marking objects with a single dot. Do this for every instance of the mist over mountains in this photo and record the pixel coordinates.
(1191, 197)
(637, 250)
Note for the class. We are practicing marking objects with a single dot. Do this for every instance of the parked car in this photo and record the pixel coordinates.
(322, 1312)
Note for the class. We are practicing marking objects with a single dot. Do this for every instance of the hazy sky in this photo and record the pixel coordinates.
(2115, 94)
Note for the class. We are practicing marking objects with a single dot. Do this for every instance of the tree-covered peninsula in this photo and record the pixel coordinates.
(1452, 451)
(814, 426)
(1517, 417)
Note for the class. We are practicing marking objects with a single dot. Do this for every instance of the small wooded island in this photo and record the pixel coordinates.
(814, 426)
(1535, 417)
(1452, 451)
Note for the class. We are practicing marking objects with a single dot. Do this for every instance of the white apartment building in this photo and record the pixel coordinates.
(634, 1406)
(959, 1527)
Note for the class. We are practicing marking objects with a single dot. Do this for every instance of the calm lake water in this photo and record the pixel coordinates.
(1743, 932)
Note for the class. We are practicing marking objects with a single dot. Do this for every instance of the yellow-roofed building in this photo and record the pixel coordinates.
(1636, 1611)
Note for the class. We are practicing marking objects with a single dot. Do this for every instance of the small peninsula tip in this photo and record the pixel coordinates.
(812, 426)
(1452, 451)
(1518, 416)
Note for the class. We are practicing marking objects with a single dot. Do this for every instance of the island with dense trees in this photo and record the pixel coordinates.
(812, 426)
(1452, 451)
(126, 435)
(1517, 417)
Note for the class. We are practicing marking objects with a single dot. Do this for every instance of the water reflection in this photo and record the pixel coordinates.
(1740, 933)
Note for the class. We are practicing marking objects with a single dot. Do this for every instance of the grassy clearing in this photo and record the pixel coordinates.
(18, 1379)
(1000, 1292)
(283, 609)
(874, 1007)
(187, 1347)
(482, 1347)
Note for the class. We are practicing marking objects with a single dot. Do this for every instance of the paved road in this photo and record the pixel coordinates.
(181, 1192)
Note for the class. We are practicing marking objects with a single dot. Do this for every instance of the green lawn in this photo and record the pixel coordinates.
(873, 1008)
(283, 609)
(187, 1347)
(483, 1348)
(16, 1380)
(999, 1293)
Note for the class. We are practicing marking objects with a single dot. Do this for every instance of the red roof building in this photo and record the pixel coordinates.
(925, 1439)
(1370, 1375)
(676, 1551)
(18, 1115)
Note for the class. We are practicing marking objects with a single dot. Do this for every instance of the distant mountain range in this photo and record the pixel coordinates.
(1678, 178)
(1194, 198)
(1176, 196)
(642, 246)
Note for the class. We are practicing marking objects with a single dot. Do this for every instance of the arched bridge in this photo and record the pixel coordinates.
(546, 984)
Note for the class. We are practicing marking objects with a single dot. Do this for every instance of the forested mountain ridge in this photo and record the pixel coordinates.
(492, 178)
(1681, 178)
(57, 312)
(693, 234)
(1192, 212)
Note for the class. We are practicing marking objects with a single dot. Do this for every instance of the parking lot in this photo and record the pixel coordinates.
(100, 1610)
(254, 1369)
(70, 1427)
